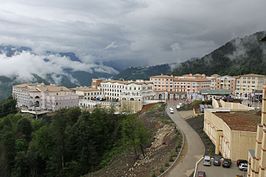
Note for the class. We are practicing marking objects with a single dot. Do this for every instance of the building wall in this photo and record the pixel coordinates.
(242, 141)
(131, 106)
(226, 83)
(231, 144)
(235, 106)
(247, 84)
(34, 97)
(218, 132)
(181, 84)
(162, 83)
(257, 156)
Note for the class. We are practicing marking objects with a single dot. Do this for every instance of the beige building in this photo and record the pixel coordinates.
(257, 155)
(247, 84)
(226, 83)
(191, 83)
(182, 84)
(40, 97)
(163, 83)
(213, 78)
(232, 132)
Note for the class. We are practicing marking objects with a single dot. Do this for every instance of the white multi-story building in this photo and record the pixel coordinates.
(44, 97)
(116, 90)
(88, 93)
(131, 94)
(90, 98)
(112, 89)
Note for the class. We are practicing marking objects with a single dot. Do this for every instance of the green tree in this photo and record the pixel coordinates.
(7, 151)
(134, 134)
(24, 129)
(7, 106)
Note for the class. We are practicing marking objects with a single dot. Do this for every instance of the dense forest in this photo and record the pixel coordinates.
(134, 73)
(238, 56)
(67, 143)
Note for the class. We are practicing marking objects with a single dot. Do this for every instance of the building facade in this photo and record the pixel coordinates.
(38, 97)
(232, 132)
(257, 155)
(248, 84)
(163, 83)
(226, 83)
(191, 83)
(179, 87)
(89, 97)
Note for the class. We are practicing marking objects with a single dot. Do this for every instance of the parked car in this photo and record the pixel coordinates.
(227, 163)
(201, 174)
(207, 160)
(239, 161)
(217, 160)
(243, 167)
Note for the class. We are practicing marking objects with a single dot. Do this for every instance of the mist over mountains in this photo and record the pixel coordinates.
(238, 56)
(22, 64)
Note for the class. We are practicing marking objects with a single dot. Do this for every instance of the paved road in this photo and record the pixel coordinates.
(194, 147)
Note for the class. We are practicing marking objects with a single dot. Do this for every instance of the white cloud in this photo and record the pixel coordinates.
(24, 64)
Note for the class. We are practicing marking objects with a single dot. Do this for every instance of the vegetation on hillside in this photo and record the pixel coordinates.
(134, 73)
(67, 143)
(239, 56)
(7, 106)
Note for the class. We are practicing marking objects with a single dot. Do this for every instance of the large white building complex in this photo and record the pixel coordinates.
(117, 90)
(135, 94)
(44, 97)
(127, 95)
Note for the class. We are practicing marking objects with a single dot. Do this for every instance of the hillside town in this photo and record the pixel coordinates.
(130, 96)
(234, 127)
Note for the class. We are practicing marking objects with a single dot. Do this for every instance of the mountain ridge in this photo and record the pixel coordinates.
(238, 56)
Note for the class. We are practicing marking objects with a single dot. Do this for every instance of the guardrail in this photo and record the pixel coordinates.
(196, 167)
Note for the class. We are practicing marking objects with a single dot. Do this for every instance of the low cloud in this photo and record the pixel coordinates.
(23, 65)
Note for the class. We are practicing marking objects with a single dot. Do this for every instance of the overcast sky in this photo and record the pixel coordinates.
(154, 31)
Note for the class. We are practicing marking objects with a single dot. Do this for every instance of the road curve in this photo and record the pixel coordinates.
(194, 148)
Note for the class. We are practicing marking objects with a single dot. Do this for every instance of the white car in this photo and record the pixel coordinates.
(171, 110)
(207, 160)
(243, 167)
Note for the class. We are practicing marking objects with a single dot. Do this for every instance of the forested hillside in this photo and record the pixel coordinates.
(67, 143)
(239, 56)
(134, 73)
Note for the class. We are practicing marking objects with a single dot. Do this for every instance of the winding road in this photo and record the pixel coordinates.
(193, 147)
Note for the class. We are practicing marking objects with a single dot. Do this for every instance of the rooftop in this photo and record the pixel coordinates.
(242, 120)
(162, 76)
(85, 89)
(42, 87)
(191, 79)
(125, 82)
(252, 75)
